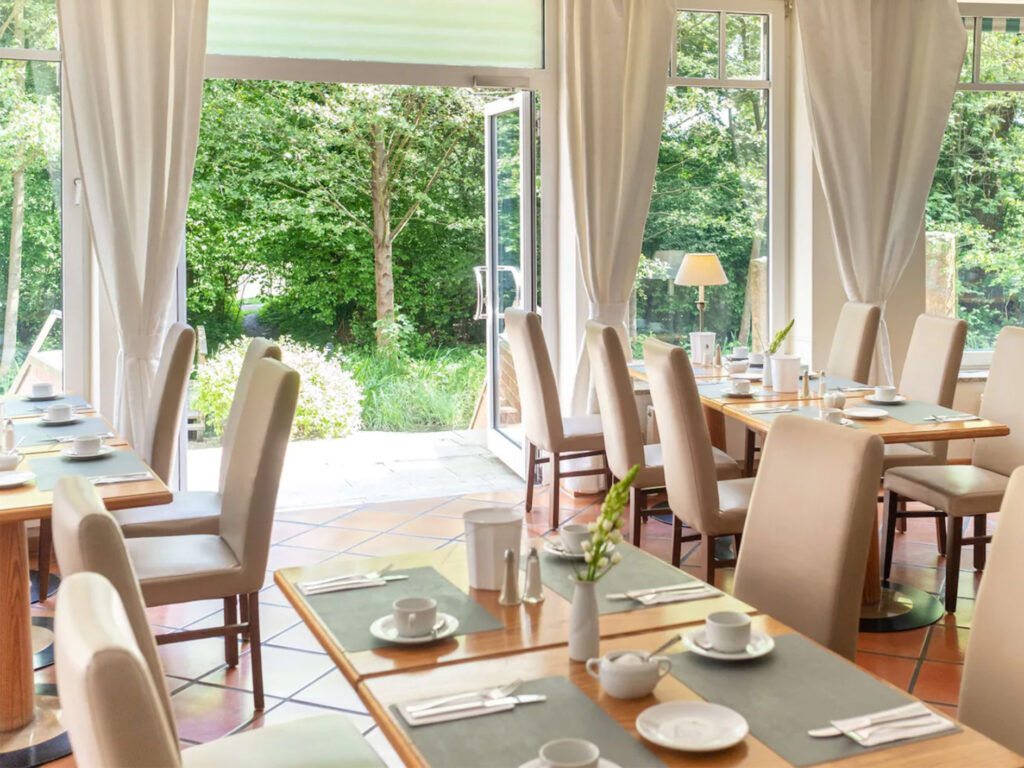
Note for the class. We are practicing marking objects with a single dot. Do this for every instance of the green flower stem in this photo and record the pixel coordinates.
(608, 525)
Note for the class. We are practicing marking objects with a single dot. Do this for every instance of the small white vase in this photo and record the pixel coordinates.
(766, 372)
(584, 632)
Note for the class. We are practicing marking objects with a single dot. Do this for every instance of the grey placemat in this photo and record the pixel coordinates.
(17, 406)
(37, 433)
(349, 614)
(49, 469)
(807, 411)
(914, 411)
(796, 687)
(638, 570)
(719, 388)
(509, 739)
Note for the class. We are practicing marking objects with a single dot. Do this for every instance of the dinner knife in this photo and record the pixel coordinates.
(498, 704)
(131, 477)
(638, 593)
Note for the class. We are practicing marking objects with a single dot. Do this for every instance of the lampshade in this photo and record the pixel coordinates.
(701, 269)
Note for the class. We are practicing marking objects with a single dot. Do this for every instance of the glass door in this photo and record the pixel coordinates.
(511, 260)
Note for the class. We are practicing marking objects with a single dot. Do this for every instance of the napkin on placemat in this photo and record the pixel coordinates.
(659, 598)
(915, 720)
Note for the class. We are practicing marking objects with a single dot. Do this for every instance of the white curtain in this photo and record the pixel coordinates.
(133, 74)
(881, 75)
(614, 75)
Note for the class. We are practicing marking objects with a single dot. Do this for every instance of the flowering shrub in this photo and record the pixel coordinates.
(329, 398)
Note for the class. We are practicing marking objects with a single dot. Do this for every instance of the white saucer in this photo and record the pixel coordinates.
(898, 400)
(46, 421)
(747, 395)
(15, 478)
(747, 376)
(861, 412)
(54, 396)
(692, 726)
(760, 645)
(551, 549)
(69, 453)
(601, 763)
(384, 629)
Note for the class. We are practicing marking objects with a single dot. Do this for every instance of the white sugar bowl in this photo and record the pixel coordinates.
(629, 674)
(834, 400)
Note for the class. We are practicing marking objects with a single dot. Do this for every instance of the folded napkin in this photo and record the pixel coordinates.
(659, 598)
(907, 722)
(953, 419)
(466, 709)
(341, 586)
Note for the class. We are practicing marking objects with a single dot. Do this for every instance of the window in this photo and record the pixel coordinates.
(30, 196)
(713, 186)
(975, 214)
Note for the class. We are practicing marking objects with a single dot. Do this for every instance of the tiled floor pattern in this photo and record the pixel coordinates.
(211, 701)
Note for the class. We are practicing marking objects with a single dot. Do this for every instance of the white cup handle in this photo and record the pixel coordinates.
(664, 665)
(592, 665)
(410, 619)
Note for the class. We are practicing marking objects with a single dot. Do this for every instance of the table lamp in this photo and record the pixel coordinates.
(701, 269)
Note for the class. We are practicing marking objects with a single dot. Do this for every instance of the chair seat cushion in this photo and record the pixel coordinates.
(906, 455)
(652, 475)
(581, 433)
(957, 489)
(178, 569)
(726, 467)
(320, 741)
(190, 512)
(733, 500)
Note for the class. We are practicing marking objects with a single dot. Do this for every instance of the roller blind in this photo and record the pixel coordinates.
(498, 33)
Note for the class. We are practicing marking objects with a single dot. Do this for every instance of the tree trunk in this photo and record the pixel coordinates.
(384, 278)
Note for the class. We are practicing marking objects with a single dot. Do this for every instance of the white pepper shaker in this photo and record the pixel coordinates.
(533, 592)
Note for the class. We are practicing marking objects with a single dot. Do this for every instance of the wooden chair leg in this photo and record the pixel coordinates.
(954, 536)
(531, 469)
(677, 540)
(901, 522)
(891, 510)
(231, 640)
(980, 529)
(636, 514)
(556, 488)
(708, 569)
(45, 550)
(940, 534)
(748, 453)
(737, 539)
(243, 614)
(255, 651)
(608, 479)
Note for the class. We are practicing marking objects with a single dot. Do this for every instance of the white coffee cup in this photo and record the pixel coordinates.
(740, 353)
(885, 393)
(9, 460)
(728, 631)
(59, 412)
(757, 358)
(42, 389)
(628, 674)
(736, 366)
(832, 415)
(740, 387)
(570, 753)
(414, 616)
(573, 536)
(87, 445)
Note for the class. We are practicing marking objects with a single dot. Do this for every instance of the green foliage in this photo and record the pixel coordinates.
(780, 337)
(329, 397)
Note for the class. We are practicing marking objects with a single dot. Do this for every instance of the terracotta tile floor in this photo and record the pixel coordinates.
(211, 701)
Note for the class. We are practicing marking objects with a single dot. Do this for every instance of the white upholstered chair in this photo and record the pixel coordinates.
(544, 427)
(803, 560)
(712, 508)
(853, 343)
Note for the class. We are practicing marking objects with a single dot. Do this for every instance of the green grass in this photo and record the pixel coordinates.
(435, 390)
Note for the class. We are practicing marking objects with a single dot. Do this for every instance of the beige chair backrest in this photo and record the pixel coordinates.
(932, 367)
(538, 390)
(88, 539)
(623, 438)
(1001, 403)
(255, 465)
(811, 512)
(992, 691)
(685, 443)
(257, 350)
(111, 704)
(163, 415)
(853, 343)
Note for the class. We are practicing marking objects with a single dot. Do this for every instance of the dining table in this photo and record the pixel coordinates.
(30, 729)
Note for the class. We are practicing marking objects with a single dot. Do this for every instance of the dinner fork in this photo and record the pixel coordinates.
(499, 692)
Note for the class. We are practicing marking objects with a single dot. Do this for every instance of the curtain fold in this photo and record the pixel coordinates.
(881, 76)
(133, 73)
(614, 75)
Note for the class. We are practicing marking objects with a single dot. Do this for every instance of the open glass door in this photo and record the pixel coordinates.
(511, 260)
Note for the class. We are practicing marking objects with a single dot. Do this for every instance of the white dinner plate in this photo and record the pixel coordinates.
(741, 395)
(898, 400)
(68, 452)
(861, 412)
(384, 629)
(747, 376)
(14, 478)
(54, 396)
(760, 645)
(692, 726)
(553, 549)
(601, 763)
(47, 421)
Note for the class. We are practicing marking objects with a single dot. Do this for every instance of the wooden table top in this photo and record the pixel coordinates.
(638, 371)
(526, 626)
(27, 502)
(889, 429)
(379, 693)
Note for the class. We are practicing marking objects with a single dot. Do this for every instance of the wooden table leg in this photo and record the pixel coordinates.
(748, 453)
(17, 686)
(872, 593)
(716, 427)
